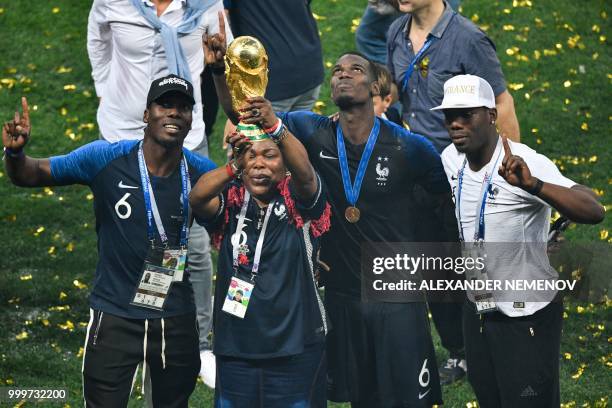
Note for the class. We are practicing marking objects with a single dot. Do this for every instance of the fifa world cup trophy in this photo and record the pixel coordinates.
(246, 73)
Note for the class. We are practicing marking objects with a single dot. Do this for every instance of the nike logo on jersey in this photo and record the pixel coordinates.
(121, 185)
(421, 396)
(453, 177)
(323, 156)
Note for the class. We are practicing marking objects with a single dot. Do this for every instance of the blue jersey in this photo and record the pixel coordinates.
(112, 173)
(284, 312)
(403, 167)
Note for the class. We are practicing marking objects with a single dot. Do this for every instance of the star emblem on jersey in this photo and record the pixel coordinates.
(382, 172)
(121, 185)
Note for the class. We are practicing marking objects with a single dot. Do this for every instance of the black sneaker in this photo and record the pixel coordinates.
(453, 370)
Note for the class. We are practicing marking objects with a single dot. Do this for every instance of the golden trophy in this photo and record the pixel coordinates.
(246, 74)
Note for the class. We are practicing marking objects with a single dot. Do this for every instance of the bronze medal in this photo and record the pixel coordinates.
(352, 214)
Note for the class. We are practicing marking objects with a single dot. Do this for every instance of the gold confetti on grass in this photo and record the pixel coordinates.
(516, 87)
(63, 308)
(55, 10)
(69, 87)
(22, 336)
(7, 82)
(68, 325)
(79, 284)
(26, 277)
(580, 371)
(63, 70)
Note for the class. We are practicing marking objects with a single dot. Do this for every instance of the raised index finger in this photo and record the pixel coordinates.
(507, 150)
(26, 110)
(221, 24)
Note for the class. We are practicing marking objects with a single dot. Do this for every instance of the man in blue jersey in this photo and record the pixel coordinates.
(142, 306)
(379, 354)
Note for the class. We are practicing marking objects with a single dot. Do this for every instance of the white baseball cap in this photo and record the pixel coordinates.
(467, 91)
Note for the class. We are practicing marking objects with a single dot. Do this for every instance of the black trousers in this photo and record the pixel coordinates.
(447, 317)
(115, 347)
(514, 361)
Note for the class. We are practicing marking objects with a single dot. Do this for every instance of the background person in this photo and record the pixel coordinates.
(512, 348)
(386, 97)
(289, 33)
(440, 43)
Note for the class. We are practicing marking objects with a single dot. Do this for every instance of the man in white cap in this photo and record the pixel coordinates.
(512, 348)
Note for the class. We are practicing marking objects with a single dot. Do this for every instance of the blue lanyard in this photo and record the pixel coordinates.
(415, 60)
(479, 233)
(260, 240)
(352, 192)
(151, 205)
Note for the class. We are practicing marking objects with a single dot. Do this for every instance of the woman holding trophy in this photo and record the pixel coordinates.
(270, 345)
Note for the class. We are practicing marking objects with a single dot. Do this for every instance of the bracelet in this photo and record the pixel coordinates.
(217, 70)
(274, 128)
(281, 135)
(232, 170)
(13, 154)
(537, 188)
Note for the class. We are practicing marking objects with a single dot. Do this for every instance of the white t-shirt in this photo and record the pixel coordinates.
(127, 54)
(511, 216)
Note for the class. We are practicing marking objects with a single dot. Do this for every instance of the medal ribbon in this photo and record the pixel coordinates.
(479, 232)
(352, 192)
(151, 205)
(415, 60)
(260, 239)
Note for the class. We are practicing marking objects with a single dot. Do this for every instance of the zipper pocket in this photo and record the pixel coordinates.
(95, 337)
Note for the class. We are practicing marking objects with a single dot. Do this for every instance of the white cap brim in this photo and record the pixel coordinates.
(459, 106)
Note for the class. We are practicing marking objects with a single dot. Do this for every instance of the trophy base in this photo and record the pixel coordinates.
(253, 132)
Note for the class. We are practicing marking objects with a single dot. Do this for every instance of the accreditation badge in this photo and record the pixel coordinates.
(153, 287)
(484, 300)
(238, 297)
(485, 303)
(175, 259)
